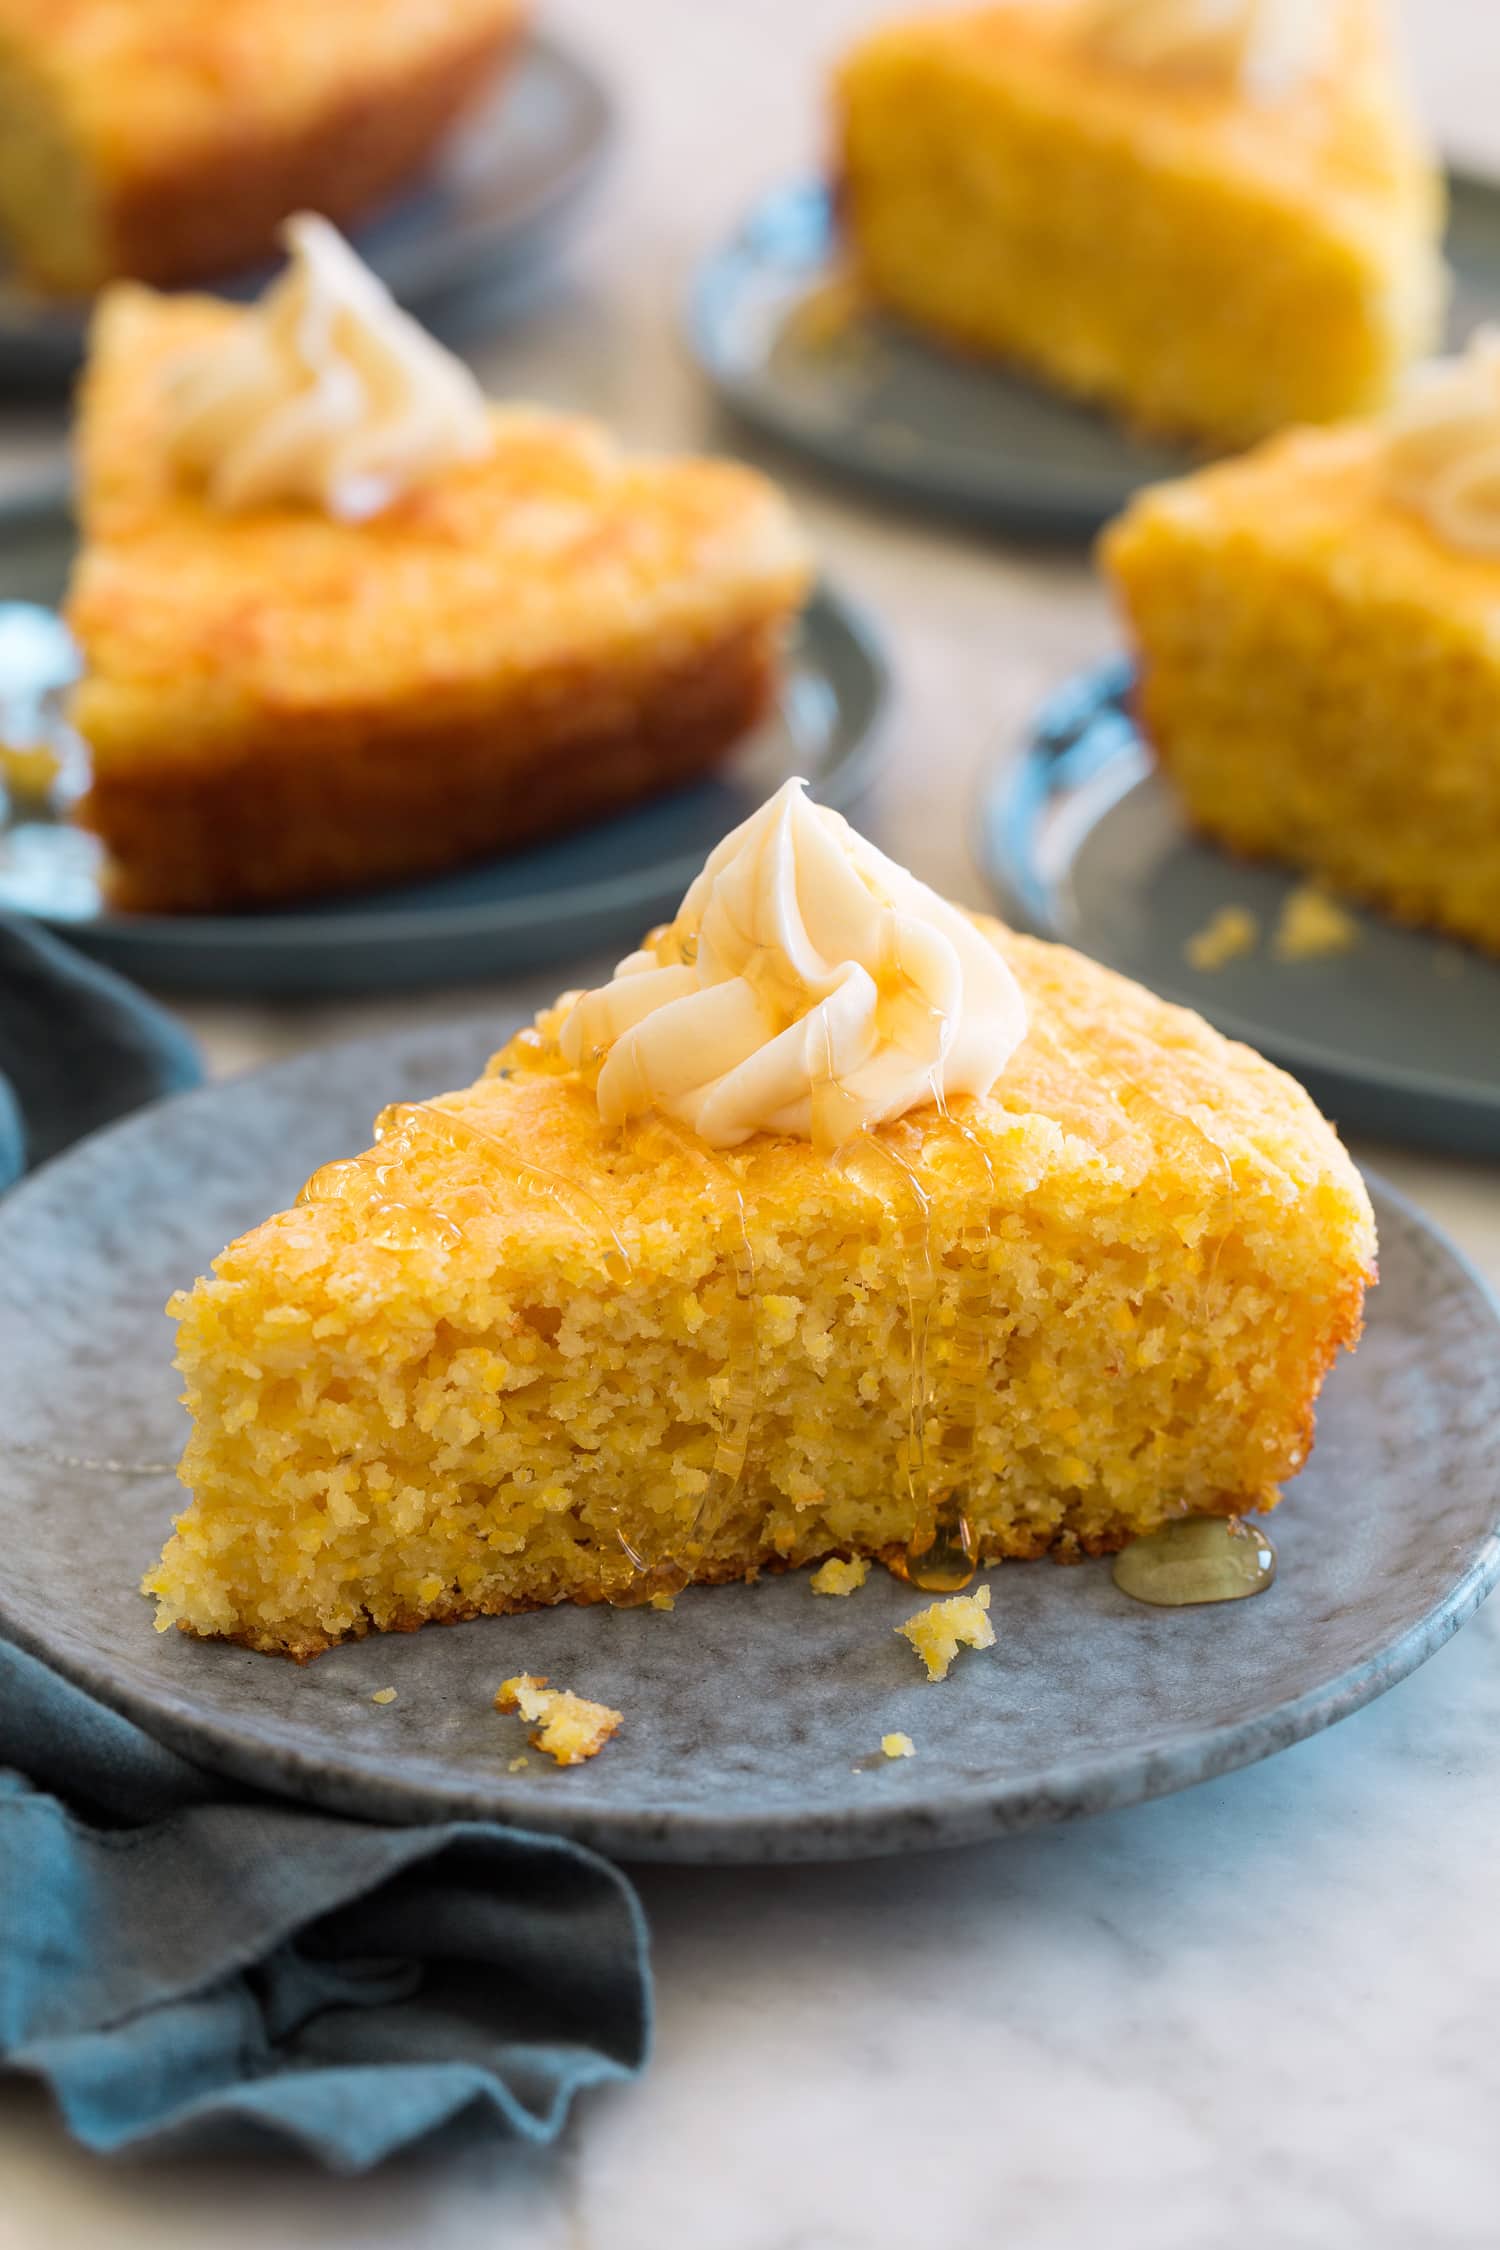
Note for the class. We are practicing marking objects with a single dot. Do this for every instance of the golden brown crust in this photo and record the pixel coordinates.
(279, 823)
(214, 210)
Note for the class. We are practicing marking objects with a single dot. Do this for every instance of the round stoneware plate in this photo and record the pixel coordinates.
(501, 186)
(1394, 1037)
(753, 1714)
(598, 888)
(789, 348)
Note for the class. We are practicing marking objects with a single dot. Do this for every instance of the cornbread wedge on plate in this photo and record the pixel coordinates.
(281, 702)
(540, 1345)
(167, 139)
(1314, 630)
(1150, 204)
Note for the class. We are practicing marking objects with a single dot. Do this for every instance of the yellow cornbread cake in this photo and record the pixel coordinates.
(1208, 263)
(510, 1357)
(165, 139)
(279, 703)
(1318, 674)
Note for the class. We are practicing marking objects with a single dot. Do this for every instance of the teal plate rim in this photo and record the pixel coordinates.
(1081, 761)
(785, 246)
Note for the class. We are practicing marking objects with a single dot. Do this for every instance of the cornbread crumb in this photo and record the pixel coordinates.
(384, 1695)
(938, 1632)
(1232, 931)
(898, 1745)
(1312, 924)
(839, 1577)
(567, 1727)
(518, 1765)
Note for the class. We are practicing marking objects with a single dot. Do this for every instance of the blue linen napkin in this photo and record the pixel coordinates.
(188, 1964)
(78, 1048)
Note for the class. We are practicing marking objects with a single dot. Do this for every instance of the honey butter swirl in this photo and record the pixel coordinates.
(808, 986)
(1442, 447)
(324, 393)
(1264, 48)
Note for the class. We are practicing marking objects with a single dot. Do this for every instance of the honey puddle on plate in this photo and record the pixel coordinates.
(1201, 1559)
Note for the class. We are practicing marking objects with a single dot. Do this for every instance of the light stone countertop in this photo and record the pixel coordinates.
(1264, 2013)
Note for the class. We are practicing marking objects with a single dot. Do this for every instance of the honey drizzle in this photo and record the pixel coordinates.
(391, 1220)
(860, 1151)
(944, 1551)
(574, 1201)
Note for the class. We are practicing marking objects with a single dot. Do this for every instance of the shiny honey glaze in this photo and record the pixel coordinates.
(942, 1548)
(1200, 1559)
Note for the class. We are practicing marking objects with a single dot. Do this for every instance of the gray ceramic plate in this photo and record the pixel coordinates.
(749, 1711)
(502, 186)
(586, 892)
(1395, 1037)
(875, 400)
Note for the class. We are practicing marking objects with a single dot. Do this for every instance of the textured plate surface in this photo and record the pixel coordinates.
(748, 1710)
(601, 887)
(500, 186)
(1396, 1037)
(876, 400)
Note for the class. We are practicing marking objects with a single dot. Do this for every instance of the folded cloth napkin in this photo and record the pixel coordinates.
(187, 1964)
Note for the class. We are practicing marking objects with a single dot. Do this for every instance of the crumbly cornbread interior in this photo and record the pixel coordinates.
(505, 1360)
(1319, 677)
(1209, 265)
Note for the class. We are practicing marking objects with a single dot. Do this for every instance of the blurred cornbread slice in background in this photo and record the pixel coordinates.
(1210, 264)
(280, 704)
(512, 1358)
(166, 139)
(1319, 674)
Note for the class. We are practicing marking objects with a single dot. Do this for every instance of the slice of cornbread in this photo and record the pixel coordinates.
(1207, 263)
(507, 1358)
(1319, 675)
(280, 704)
(166, 139)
